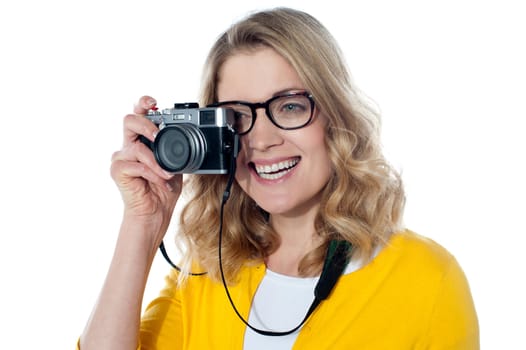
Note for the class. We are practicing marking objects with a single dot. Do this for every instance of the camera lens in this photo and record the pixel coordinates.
(180, 148)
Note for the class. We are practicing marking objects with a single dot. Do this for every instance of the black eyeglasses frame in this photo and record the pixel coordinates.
(266, 105)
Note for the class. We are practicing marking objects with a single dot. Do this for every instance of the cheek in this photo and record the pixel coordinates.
(242, 156)
(325, 167)
(320, 150)
(242, 171)
(316, 142)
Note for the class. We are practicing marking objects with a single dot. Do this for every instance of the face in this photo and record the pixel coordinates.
(284, 171)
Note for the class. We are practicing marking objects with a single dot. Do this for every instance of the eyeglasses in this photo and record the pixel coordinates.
(289, 111)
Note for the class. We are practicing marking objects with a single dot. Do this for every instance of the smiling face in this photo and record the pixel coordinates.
(283, 171)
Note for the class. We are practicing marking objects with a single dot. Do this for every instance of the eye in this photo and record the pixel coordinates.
(242, 114)
(243, 118)
(292, 107)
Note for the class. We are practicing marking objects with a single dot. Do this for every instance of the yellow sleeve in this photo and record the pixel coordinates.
(454, 324)
(161, 324)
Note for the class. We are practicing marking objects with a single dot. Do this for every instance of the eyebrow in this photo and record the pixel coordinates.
(287, 90)
(277, 93)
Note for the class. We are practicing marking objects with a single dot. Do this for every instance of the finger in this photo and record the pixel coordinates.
(144, 104)
(138, 152)
(123, 172)
(135, 125)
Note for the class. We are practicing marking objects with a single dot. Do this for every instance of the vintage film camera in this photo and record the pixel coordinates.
(194, 140)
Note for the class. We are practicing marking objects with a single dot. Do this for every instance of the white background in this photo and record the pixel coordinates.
(449, 77)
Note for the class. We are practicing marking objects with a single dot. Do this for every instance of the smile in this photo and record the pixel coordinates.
(276, 170)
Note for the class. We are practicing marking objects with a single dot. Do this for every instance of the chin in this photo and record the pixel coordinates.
(274, 208)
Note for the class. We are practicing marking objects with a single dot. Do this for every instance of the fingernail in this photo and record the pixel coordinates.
(151, 102)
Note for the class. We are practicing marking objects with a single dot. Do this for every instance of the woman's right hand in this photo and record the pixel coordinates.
(149, 192)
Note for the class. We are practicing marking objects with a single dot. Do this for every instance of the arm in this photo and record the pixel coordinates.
(149, 195)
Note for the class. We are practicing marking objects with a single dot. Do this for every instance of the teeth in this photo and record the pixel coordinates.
(276, 170)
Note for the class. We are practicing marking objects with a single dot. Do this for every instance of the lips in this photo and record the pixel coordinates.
(275, 171)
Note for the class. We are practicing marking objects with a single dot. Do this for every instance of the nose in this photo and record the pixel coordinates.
(264, 134)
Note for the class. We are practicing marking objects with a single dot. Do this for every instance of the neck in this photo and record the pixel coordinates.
(298, 237)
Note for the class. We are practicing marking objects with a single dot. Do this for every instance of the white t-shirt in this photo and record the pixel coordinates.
(280, 304)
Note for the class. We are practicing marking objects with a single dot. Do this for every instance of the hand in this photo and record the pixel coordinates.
(149, 193)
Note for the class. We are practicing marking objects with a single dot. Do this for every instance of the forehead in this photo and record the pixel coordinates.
(256, 76)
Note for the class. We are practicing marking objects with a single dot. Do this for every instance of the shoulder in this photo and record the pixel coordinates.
(175, 286)
(413, 259)
(410, 247)
(452, 316)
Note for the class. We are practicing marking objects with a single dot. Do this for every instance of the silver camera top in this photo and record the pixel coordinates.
(201, 117)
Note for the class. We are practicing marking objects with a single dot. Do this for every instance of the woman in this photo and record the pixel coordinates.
(311, 187)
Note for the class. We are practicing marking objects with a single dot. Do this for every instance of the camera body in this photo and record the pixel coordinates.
(193, 140)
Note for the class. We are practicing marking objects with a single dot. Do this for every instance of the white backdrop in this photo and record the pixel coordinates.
(449, 77)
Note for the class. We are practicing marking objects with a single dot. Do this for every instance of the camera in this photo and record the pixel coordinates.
(193, 140)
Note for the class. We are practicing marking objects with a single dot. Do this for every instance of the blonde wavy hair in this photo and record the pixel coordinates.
(362, 202)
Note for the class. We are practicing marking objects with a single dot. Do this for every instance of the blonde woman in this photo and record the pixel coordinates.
(313, 196)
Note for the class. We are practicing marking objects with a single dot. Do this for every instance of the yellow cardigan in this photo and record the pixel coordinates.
(413, 295)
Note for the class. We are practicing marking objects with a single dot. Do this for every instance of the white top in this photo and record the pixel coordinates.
(280, 304)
